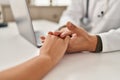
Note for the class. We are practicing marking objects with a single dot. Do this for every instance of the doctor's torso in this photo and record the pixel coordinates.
(103, 15)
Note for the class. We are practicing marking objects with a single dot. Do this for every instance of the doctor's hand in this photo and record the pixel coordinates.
(63, 32)
(80, 39)
(54, 47)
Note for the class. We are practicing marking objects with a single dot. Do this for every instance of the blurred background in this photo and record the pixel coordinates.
(39, 9)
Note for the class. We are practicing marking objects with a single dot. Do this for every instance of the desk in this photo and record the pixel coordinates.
(14, 49)
(80, 66)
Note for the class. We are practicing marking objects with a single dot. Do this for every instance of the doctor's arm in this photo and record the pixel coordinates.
(99, 24)
(111, 40)
(81, 40)
(73, 13)
(39, 66)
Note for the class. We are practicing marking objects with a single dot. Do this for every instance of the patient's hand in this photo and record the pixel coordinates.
(62, 33)
(54, 47)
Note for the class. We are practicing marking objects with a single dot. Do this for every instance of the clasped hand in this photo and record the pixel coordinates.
(80, 40)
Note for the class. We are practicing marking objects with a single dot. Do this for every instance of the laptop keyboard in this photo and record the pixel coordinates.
(38, 34)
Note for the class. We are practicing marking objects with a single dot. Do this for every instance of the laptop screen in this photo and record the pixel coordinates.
(23, 20)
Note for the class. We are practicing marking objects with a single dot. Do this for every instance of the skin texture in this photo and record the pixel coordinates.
(39, 66)
(80, 40)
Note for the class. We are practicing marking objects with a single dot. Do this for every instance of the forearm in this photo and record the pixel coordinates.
(33, 69)
(73, 13)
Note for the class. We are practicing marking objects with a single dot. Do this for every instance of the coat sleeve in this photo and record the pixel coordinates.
(73, 13)
(111, 40)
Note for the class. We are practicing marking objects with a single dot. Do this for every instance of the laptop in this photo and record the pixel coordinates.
(23, 20)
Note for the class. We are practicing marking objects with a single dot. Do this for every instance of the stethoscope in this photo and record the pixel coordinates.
(85, 20)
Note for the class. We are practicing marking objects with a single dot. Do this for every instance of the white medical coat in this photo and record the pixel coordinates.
(107, 26)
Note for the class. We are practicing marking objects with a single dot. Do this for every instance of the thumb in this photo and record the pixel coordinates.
(74, 28)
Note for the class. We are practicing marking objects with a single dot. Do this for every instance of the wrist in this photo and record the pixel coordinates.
(50, 58)
(93, 43)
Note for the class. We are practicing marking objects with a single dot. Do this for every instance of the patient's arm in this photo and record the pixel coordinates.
(39, 66)
(33, 69)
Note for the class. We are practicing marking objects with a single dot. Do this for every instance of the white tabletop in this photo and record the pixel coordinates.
(80, 66)
(14, 49)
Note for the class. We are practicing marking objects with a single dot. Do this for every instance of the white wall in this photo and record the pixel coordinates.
(38, 12)
(4, 2)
